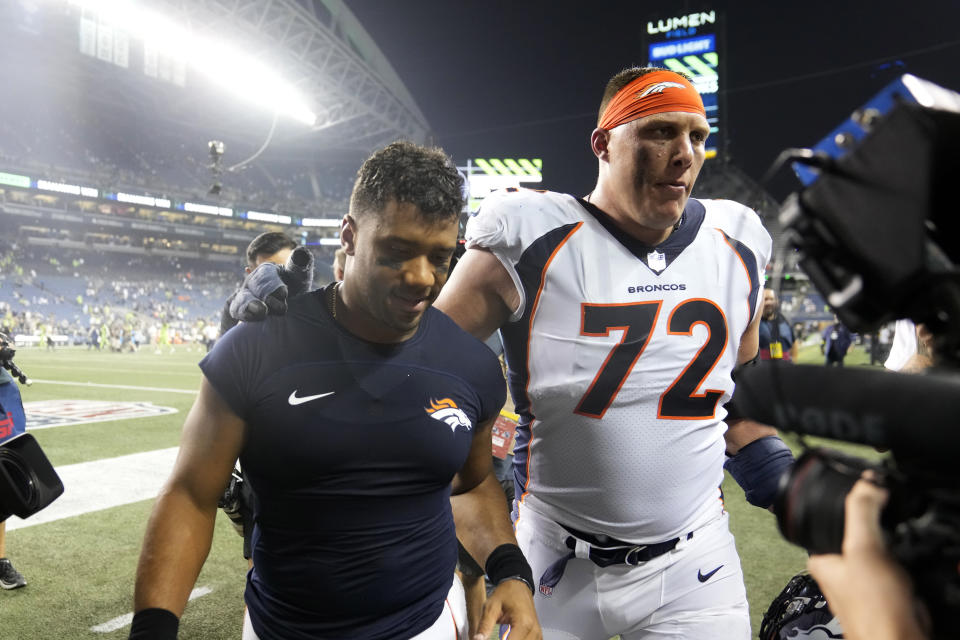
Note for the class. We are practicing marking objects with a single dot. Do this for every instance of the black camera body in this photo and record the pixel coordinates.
(7, 351)
(877, 233)
(28, 482)
(921, 520)
(911, 416)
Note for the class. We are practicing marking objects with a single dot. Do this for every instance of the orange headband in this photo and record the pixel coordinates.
(655, 92)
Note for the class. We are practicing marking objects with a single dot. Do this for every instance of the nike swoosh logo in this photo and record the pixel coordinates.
(703, 577)
(294, 400)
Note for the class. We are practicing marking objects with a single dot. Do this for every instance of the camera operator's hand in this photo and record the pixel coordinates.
(868, 591)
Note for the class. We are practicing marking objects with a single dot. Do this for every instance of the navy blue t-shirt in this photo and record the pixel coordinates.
(350, 450)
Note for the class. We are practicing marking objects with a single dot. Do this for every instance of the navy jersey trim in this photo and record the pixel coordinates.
(749, 261)
(690, 221)
(532, 270)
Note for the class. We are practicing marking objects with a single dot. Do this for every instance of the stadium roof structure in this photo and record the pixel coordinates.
(320, 47)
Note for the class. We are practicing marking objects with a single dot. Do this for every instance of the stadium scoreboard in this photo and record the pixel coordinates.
(692, 44)
(485, 175)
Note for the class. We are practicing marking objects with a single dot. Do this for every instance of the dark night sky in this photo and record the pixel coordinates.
(523, 79)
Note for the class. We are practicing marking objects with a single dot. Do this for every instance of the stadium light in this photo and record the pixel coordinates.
(227, 66)
(209, 209)
(149, 201)
(269, 217)
(15, 180)
(320, 222)
(72, 189)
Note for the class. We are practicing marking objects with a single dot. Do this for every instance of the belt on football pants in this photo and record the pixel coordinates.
(603, 552)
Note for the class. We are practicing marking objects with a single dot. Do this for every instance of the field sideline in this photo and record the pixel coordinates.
(80, 568)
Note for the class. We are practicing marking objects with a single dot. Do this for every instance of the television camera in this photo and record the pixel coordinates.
(28, 482)
(876, 231)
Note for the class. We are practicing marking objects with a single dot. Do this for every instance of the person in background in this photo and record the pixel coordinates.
(271, 246)
(911, 350)
(836, 342)
(777, 340)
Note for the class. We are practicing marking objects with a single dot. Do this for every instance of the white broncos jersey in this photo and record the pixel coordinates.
(620, 357)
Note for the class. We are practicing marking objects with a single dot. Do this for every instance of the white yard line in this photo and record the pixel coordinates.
(108, 369)
(102, 484)
(117, 386)
(124, 621)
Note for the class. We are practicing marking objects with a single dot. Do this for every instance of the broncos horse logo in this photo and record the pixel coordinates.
(659, 87)
(446, 410)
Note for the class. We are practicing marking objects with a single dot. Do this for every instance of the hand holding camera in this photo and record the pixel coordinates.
(869, 590)
(875, 229)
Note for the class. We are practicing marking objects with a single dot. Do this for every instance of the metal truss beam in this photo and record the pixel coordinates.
(319, 46)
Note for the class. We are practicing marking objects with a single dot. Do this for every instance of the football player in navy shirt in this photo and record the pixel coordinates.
(355, 416)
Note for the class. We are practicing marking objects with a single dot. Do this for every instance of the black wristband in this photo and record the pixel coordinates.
(507, 562)
(154, 624)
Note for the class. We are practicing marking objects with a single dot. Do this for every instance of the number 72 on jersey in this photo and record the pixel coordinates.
(637, 319)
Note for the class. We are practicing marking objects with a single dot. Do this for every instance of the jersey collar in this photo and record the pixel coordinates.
(671, 248)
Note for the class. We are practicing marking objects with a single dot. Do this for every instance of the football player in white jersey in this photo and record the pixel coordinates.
(623, 315)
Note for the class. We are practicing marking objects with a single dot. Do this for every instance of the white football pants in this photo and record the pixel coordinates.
(695, 591)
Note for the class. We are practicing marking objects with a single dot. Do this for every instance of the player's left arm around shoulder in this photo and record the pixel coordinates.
(483, 525)
(756, 456)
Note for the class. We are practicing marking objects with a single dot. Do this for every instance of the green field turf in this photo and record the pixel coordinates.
(81, 569)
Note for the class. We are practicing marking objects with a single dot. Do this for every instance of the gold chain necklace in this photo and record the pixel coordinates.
(333, 300)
